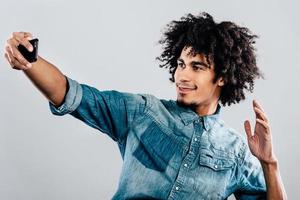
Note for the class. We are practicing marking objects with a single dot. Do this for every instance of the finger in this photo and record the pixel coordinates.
(23, 38)
(260, 114)
(20, 35)
(247, 127)
(7, 57)
(27, 44)
(16, 54)
(14, 63)
(263, 123)
(12, 42)
(256, 104)
(28, 35)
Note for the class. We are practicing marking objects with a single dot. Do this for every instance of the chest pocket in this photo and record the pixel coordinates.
(214, 174)
(215, 162)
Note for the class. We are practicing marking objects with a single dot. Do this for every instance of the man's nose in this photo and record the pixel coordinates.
(184, 74)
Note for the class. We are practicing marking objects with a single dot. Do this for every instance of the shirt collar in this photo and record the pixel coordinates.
(188, 116)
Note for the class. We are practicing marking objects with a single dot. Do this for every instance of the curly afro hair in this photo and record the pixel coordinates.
(228, 46)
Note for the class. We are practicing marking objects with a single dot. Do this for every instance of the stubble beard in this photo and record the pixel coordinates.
(192, 105)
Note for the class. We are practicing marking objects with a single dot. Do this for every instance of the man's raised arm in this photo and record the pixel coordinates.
(260, 144)
(44, 75)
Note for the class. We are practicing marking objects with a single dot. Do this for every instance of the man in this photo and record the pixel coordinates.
(176, 149)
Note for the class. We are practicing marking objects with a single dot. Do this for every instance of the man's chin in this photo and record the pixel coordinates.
(185, 103)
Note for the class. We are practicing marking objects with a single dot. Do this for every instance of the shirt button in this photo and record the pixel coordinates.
(196, 139)
(185, 165)
(177, 188)
(216, 166)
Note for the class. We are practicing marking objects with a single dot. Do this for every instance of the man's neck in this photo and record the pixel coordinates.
(206, 109)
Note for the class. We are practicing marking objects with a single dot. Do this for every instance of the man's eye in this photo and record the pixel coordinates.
(180, 65)
(197, 68)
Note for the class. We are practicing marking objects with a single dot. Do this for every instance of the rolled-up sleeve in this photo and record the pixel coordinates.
(111, 112)
(71, 100)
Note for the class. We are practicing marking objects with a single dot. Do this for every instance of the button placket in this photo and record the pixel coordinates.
(189, 157)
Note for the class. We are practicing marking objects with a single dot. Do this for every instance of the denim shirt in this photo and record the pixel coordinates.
(168, 151)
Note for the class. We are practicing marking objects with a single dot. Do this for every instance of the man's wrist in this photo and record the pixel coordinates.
(269, 166)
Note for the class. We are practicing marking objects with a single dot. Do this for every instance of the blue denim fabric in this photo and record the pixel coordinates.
(168, 151)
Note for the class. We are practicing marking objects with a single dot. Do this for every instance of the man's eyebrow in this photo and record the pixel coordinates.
(200, 63)
(181, 60)
(195, 63)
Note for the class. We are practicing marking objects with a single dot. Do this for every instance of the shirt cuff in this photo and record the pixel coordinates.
(71, 101)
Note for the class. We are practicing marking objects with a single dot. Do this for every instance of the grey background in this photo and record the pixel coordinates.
(113, 45)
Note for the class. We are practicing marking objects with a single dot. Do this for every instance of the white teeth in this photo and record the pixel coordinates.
(185, 88)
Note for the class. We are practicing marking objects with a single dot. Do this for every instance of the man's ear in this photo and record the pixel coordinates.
(221, 81)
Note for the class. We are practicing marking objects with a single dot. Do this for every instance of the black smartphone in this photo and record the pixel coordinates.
(30, 56)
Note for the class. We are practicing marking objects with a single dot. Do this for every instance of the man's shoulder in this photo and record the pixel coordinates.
(157, 104)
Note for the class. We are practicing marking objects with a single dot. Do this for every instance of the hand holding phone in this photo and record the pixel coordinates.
(30, 56)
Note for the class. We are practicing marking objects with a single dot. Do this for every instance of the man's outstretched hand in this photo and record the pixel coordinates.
(260, 141)
(260, 144)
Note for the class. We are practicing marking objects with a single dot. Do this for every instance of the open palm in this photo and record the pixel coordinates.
(260, 141)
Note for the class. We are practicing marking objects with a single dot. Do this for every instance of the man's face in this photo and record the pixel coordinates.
(194, 80)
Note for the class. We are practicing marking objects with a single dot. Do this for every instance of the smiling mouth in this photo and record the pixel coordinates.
(184, 90)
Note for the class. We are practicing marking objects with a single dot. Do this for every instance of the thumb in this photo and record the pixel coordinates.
(28, 35)
(247, 127)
